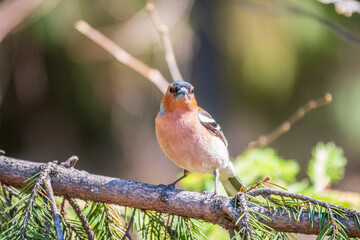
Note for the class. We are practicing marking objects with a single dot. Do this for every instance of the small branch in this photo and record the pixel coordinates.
(256, 185)
(6, 194)
(14, 12)
(163, 31)
(122, 56)
(55, 213)
(71, 162)
(285, 127)
(332, 219)
(62, 208)
(244, 208)
(11, 191)
(82, 218)
(46, 221)
(127, 233)
(39, 182)
(73, 183)
(269, 191)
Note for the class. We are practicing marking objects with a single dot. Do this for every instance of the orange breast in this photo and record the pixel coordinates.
(189, 144)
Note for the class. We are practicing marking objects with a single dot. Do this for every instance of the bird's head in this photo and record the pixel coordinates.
(179, 97)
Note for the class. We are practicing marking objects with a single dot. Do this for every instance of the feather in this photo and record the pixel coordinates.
(210, 124)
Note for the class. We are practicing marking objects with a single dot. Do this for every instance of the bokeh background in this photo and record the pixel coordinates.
(253, 63)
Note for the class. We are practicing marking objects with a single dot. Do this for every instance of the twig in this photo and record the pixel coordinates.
(82, 218)
(11, 191)
(243, 206)
(285, 127)
(62, 214)
(46, 220)
(122, 56)
(47, 201)
(163, 31)
(269, 191)
(39, 182)
(283, 7)
(55, 213)
(332, 219)
(257, 184)
(127, 233)
(62, 208)
(14, 12)
(7, 195)
(71, 162)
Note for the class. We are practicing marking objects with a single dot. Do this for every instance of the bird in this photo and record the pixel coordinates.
(192, 139)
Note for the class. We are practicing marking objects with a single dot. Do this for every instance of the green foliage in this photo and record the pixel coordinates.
(105, 223)
(292, 208)
(252, 166)
(256, 164)
(15, 219)
(326, 166)
(153, 225)
(200, 182)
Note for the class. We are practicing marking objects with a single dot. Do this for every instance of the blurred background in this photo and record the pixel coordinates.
(253, 63)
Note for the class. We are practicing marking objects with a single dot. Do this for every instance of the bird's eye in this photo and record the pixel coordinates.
(192, 91)
(171, 90)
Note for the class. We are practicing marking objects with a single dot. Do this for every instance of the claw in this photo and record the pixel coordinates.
(165, 188)
(208, 195)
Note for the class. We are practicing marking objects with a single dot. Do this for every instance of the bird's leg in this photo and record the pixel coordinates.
(216, 175)
(209, 195)
(186, 173)
(172, 185)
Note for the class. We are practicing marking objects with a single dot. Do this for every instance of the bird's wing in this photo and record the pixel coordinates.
(210, 124)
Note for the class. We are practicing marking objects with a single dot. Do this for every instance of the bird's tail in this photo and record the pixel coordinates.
(233, 185)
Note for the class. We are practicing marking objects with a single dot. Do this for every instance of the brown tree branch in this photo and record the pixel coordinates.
(285, 127)
(122, 56)
(73, 183)
(163, 31)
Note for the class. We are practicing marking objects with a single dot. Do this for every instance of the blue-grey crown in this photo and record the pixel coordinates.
(180, 84)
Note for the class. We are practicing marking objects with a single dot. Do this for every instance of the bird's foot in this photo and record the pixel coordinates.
(165, 189)
(208, 195)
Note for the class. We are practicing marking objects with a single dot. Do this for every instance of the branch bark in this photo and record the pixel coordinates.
(73, 183)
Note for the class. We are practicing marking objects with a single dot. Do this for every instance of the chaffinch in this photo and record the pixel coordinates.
(191, 138)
